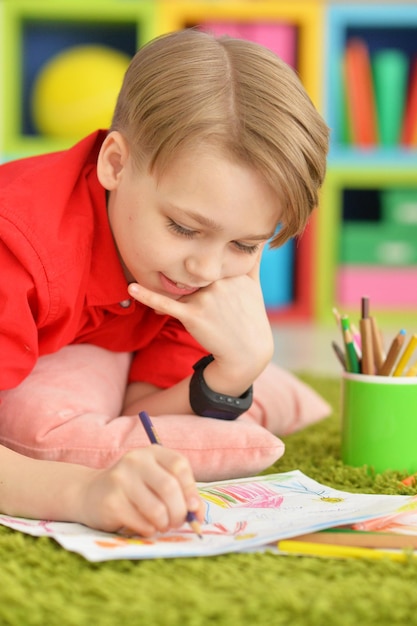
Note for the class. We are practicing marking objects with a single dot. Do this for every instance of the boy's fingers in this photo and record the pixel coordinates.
(174, 484)
(180, 467)
(161, 304)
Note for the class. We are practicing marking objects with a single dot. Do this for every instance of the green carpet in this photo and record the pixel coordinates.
(41, 584)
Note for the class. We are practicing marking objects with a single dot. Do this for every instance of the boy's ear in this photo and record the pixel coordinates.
(112, 160)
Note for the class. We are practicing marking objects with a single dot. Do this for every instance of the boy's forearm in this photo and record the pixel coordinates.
(40, 489)
(142, 397)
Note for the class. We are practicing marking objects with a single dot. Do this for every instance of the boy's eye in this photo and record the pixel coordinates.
(180, 230)
(190, 233)
(246, 248)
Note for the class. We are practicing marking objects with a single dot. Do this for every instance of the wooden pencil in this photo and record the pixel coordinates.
(368, 363)
(393, 353)
(365, 539)
(379, 356)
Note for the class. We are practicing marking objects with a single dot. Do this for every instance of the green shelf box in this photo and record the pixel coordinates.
(399, 205)
(378, 243)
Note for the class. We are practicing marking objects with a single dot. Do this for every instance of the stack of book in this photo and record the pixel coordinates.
(381, 96)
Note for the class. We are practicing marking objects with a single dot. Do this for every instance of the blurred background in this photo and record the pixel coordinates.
(62, 63)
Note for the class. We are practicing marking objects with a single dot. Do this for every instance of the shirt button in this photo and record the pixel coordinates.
(125, 304)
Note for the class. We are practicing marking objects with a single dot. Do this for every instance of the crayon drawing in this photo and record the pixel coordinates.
(241, 515)
(403, 521)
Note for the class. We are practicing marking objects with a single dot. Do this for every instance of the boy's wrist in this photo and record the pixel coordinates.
(210, 403)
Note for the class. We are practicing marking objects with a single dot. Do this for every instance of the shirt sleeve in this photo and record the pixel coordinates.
(168, 359)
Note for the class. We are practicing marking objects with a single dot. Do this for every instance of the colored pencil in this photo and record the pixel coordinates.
(405, 357)
(365, 307)
(356, 344)
(307, 548)
(413, 370)
(368, 363)
(352, 362)
(393, 352)
(357, 340)
(361, 538)
(378, 349)
(337, 316)
(153, 438)
(340, 354)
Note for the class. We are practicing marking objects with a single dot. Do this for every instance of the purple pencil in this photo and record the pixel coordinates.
(153, 438)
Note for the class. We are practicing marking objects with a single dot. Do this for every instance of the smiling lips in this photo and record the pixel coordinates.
(176, 289)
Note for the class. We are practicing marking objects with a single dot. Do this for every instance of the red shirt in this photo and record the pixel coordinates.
(61, 281)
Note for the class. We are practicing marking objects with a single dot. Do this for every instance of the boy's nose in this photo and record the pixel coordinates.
(205, 268)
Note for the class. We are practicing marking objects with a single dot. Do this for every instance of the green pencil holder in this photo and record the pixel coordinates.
(379, 422)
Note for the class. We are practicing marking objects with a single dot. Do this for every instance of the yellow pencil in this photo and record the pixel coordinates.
(306, 548)
(413, 370)
(411, 346)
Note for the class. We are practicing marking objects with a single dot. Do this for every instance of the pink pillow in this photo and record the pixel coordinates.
(284, 404)
(218, 449)
(68, 410)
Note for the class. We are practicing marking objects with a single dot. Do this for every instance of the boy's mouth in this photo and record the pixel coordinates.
(174, 288)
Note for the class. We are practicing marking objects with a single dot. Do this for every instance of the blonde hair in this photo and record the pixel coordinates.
(190, 88)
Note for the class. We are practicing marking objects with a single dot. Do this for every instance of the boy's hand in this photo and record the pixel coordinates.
(147, 490)
(229, 319)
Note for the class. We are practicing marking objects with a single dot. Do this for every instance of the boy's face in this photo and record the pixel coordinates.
(203, 219)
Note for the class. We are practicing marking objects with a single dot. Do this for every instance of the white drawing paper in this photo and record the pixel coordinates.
(241, 515)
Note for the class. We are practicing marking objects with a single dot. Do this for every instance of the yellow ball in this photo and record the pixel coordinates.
(75, 92)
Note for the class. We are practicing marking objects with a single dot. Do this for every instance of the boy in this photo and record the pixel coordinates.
(132, 259)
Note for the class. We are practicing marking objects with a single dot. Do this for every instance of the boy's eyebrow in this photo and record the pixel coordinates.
(201, 219)
(209, 223)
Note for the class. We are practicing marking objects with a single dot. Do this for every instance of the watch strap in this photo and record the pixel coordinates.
(208, 403)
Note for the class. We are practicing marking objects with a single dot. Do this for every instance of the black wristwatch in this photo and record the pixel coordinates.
(208, 403)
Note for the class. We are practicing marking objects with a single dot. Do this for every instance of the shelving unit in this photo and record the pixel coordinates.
(325, 264)
(360, 249)
(33, 32)
(372, 258)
